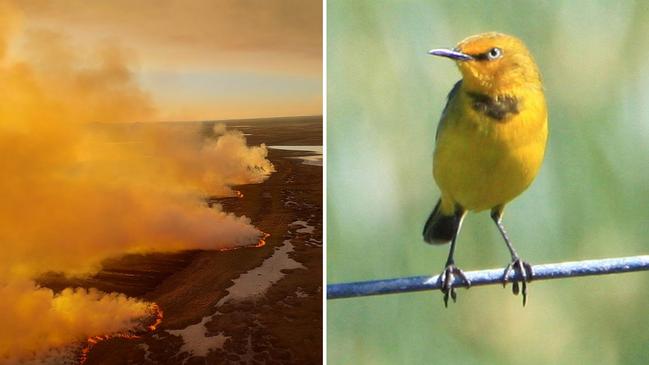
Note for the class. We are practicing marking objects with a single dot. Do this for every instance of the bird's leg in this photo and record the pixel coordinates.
(448, 275)
(518, 265)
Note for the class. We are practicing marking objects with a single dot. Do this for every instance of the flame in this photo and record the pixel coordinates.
(262, 240)
(156, 312)
(159, 314)
(260, 243)
(211, 200)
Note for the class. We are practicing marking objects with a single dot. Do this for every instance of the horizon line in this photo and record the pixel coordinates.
(217, 120)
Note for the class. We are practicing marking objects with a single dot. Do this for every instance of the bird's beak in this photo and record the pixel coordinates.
(449, 53)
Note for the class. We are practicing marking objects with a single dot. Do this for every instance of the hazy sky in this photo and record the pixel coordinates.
(200, 59)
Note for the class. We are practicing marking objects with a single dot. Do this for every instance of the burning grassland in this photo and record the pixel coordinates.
(154, 319)
(76, 190)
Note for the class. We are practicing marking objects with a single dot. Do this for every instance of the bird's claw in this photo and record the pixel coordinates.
(524, 269)
(447, 277)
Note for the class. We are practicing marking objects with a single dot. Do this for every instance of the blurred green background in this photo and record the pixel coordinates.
(591, 199)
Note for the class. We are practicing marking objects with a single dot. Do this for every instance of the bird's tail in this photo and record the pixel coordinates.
(440, 228)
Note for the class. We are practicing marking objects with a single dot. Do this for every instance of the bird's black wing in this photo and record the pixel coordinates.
(449, 98)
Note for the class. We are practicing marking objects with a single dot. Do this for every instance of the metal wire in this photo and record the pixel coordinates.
(489, 277)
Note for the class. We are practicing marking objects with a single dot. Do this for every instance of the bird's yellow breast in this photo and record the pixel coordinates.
(482, 162)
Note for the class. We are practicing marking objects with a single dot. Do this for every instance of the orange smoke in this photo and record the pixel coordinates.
(35, 320)
(77, 189)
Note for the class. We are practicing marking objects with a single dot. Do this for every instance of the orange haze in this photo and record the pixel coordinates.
(204, 59)
(76, 189)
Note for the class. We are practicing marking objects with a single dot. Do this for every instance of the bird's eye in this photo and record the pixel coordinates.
(494, 53)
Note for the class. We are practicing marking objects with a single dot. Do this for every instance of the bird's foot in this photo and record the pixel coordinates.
(524, 269)
(447, 277)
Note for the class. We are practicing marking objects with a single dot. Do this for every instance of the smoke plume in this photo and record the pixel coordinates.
(77, 188)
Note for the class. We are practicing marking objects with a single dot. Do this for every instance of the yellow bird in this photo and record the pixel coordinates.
(489, 145)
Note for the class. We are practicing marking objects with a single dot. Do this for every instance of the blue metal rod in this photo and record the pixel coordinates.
(488, 277)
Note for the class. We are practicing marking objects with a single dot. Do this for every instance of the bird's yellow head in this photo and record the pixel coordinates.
(493, 63)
